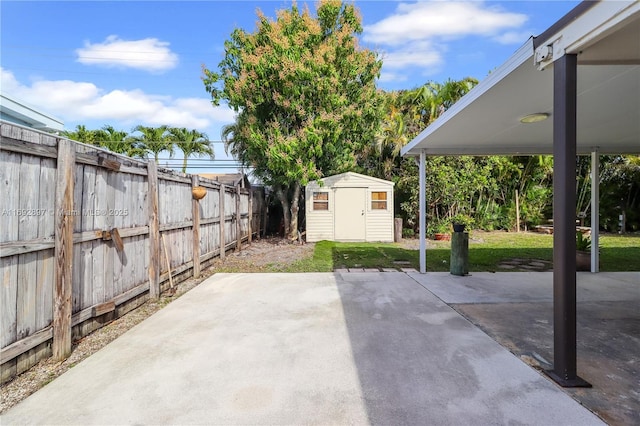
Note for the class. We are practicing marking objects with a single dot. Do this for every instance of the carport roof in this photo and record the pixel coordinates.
(606, 37)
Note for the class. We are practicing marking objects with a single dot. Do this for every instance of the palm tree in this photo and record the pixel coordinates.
(426, 103)
(382, 157)
(235, 138)
(152, 140)
(81, 134)
(190, 142)
(113, 140)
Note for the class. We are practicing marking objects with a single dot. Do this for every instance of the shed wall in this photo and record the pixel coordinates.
(321, 223)
(380, 222)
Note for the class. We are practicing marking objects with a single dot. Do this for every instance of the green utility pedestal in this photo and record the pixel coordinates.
(460, 253)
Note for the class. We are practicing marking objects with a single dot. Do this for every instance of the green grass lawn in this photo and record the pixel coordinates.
(487, 252)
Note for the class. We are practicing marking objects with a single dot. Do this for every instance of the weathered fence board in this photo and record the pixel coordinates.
(64, 218)
(46, 229)
(222, 214)
(121, 223)
(27, 263)
(9, 175)
(154, 232)
(195, 236)
(81, 239)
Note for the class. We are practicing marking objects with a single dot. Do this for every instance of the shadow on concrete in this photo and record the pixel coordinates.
(420, 362)
(516, 309)
(608, 347)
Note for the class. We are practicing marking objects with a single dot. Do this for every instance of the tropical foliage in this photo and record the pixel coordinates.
(145, 141)
(486, 189)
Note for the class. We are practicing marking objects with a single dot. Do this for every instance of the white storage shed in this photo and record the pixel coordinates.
(349, 207)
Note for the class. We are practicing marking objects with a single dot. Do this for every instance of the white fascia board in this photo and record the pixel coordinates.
(523, 54)
(29, 114)
(485, 150)
(545, 149)
(587, 29)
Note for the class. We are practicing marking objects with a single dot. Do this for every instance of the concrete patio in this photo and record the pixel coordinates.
(320, 348)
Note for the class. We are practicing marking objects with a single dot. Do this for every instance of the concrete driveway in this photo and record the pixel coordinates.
(321, 348)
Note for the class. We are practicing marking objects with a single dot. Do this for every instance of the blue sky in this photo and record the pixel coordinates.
(126, 63)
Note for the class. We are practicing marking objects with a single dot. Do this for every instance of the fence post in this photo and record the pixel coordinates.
(258, 215)
(63, 287)
(223, 219)
(265, 211)
(250, 227)
(154, 231)
(196, 229)
(238, 216)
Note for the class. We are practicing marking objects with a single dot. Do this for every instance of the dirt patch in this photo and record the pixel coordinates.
(264, 255)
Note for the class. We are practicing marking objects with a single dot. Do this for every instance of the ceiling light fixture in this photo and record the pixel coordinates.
(534, 118)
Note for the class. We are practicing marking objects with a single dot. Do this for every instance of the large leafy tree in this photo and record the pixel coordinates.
(191, 143)
(305, 97)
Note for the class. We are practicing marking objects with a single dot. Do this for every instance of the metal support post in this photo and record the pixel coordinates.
(564, 226)
(423, 213)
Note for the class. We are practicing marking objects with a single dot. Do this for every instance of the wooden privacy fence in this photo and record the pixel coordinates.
(87, 235)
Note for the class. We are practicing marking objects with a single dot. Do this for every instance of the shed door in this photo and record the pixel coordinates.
(350, 214)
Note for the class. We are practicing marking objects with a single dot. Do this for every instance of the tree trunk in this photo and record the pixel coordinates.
(281, 193)
(295, 201)
(290, 208)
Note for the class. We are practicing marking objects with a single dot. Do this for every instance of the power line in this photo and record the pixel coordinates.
(179, 162)
(66, 49)
(88, 73)
(93, 142)
(114, 58)
(131, 56)
(91, 73)
(203, 167)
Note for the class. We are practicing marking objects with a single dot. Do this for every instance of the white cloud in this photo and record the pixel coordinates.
(77, 101)
(148, 54)
(427, 20)
(397, 63)
(513, 37)
(391, 77)
(422, 54)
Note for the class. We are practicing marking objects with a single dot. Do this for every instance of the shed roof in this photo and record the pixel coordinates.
(348, 175)
(486, 121)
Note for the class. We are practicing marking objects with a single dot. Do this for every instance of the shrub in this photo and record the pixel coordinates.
(408, 233)
(582, 243)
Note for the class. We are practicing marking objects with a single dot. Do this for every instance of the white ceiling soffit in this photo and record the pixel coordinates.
(487, 120)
